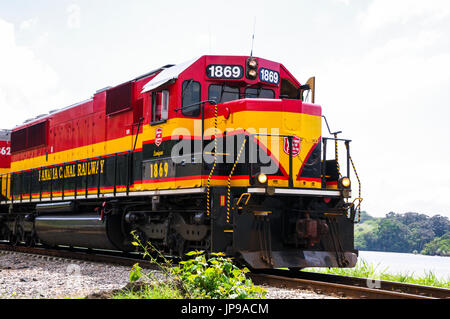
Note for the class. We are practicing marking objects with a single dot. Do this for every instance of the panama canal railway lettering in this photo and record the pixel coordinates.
(73, 170)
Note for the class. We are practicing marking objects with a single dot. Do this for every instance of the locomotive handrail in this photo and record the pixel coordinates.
(347, 144)
(336, 139)
(328, 126)
(324, 171)
(195, 104)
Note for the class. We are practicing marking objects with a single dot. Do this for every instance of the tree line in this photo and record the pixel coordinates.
(404, 233)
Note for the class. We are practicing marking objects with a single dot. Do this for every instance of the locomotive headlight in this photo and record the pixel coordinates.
(345, 182)
(262, 178)
(253, 63)
(252, 74)
(252, 68)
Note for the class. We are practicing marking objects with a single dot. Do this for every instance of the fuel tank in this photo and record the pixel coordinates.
(87, 230)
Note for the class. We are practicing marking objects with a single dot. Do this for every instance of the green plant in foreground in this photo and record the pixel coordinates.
(216, 278)
(198, 277)
(172, 281)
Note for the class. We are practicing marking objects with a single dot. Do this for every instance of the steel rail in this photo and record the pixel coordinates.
(348, 286)
(97, 256)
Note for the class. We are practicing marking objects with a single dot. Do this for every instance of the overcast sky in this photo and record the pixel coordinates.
(382, 68)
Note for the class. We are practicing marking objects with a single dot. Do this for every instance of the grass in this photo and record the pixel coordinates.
(159, 291)
(366, 270)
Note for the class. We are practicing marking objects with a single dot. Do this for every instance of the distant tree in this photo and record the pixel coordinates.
(360, 242)
(420, 235)
(403, 233)
(393, 236)
(440, 224)
(410, 218)
(365, 217)
(439, 246)
(371, 241)
(391, 215)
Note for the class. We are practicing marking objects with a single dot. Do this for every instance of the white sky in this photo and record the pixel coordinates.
(382, 68)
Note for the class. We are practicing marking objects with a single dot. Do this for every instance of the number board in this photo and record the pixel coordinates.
(160, 169)
(220, 71)
(269, 76)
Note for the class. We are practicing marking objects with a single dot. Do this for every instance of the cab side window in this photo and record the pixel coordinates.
(191, 98)
(160, 106)
(289, 90)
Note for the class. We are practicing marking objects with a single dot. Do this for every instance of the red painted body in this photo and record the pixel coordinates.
(87, 123)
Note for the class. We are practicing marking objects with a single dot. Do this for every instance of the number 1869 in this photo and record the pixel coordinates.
(225, 71)
(269, 76)
(159, 170)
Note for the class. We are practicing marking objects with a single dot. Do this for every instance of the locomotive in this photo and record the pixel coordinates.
(220, 153)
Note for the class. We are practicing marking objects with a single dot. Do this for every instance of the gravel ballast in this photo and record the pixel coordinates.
(25, 276)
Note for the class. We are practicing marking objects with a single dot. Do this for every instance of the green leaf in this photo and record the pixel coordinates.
(135, 273)
(194, 253)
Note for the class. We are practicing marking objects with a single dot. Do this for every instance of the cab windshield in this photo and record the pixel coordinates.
(253, 93)
(223, 93)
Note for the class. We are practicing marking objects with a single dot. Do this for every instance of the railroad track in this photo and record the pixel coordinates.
(341, 286)
(349, 287)
(110, 257)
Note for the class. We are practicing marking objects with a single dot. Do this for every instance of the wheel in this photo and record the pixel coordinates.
(13, 240)
(4, 233)
(20, 235)
(30, 241)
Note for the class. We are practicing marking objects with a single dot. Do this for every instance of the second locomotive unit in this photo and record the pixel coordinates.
(221, 153)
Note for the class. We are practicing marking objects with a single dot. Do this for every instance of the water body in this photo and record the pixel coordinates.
(418, 265)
